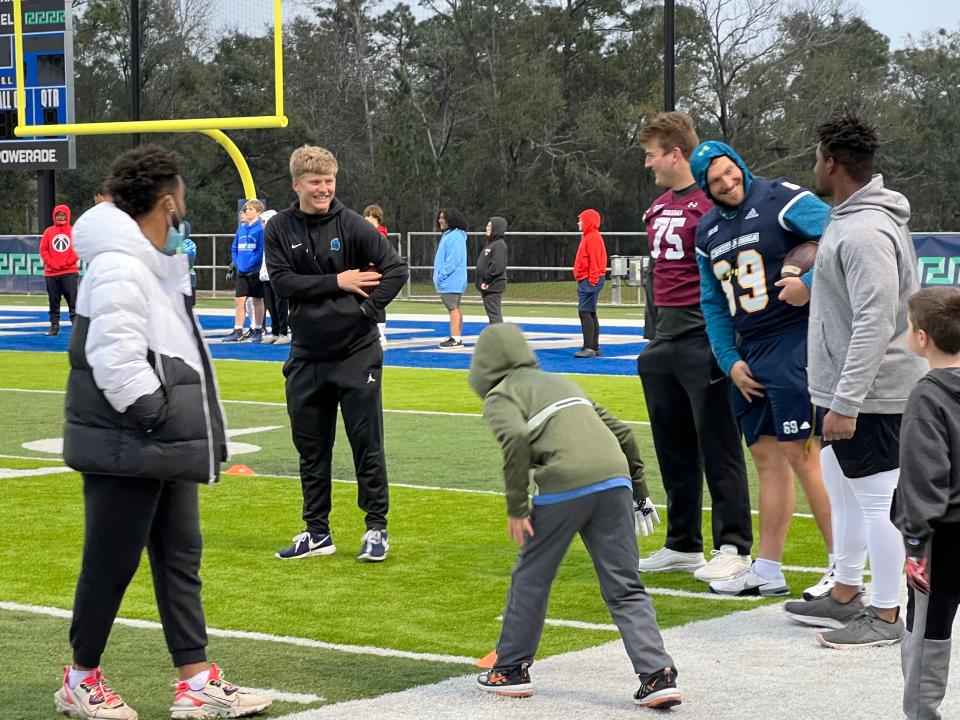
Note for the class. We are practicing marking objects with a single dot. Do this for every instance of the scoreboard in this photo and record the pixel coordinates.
(48, 75)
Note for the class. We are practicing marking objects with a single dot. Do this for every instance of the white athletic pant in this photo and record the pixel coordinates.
(860, 511)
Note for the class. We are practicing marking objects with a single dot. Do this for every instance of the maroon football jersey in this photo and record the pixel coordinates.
(672, 231)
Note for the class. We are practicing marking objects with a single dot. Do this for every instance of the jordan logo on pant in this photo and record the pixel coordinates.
(370, 378)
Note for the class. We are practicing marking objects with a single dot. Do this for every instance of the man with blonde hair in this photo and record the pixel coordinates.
(319, 255)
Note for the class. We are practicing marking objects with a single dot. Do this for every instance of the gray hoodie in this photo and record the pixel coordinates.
(859, 361)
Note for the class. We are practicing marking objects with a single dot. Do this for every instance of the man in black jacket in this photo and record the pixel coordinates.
(318, 256)
(492, 269)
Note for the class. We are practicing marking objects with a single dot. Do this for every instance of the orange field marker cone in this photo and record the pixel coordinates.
(487, 661)
(239, 470)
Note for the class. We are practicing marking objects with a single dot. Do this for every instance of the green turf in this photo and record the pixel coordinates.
(442, 588)
(138, 667)
(473, 310)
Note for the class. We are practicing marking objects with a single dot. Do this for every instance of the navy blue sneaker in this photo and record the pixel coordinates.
(513, 682)
(306, 544)
(374, 547)
(234, 336)
(256, 336)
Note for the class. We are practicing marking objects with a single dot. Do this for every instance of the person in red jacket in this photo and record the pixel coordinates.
(590, 271)
(59, 266)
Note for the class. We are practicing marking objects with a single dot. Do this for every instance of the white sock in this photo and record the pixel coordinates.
(767, 569)
(199, 681)
(238, 328)
(254, 326)
(456, 338)
(75, 677)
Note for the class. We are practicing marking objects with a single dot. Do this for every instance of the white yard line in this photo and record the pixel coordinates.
(27, 457)
(9, 474)
(262, 637)
(300, 698)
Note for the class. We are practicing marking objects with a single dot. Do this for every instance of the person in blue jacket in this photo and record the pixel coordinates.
(760, 341)
(247, 254)
(450, 270)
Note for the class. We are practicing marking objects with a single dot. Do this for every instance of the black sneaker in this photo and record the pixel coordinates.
(245, 335)
(234, 336)
(54, 330)
(256, 336)
(451, 343)
(658, 691)
(598, 352)
(514, 682)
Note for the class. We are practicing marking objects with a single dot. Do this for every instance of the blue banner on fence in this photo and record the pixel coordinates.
(938, 259)
(21, 270)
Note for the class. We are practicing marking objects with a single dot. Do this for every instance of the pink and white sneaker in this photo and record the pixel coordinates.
(217, 699)
(91, 699)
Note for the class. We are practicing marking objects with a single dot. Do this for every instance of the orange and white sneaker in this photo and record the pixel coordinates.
(217, 699)
(91, 699)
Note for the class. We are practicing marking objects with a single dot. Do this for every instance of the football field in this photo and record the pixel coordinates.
(319, 631)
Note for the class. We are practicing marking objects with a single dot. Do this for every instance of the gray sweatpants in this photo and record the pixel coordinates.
(605, 522)
(491, 303)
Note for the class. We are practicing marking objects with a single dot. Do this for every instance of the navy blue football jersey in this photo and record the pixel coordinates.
(745, 252)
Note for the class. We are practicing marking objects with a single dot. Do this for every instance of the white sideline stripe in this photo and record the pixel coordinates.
(267, 403)
(300, 698)
(9, 474)
(264, 637)
(26, 457)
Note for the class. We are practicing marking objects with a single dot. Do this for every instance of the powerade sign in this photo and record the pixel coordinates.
(48, 81)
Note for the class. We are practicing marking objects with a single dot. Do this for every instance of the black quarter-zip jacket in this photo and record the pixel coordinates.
(305, 253)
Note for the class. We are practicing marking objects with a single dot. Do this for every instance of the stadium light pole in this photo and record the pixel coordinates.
(135, 65)
(669, 55)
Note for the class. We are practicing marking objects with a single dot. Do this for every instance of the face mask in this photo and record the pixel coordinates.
(175, 237)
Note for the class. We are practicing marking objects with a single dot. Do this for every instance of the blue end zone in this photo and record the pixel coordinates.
(411, 343)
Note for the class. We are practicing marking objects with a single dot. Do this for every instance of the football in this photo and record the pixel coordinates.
(799, 260)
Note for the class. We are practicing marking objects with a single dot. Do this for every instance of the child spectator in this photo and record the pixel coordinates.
(492, 269)
(450, 270)
(588, 475)
(373, 214)
(926, 503)
(247, 254)
(60, 269)
(590, 271)
(276, 305)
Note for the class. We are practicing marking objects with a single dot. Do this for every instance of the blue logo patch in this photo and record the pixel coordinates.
(335, 244)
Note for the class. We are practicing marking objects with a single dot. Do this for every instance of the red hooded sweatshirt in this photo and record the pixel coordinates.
(591, 262)
(56, 246)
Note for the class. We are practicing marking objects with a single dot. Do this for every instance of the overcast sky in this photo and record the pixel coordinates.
(894, 18)
(897, 18)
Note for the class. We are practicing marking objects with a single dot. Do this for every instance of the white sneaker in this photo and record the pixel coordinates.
(91, 699)
(823, 586)
(749, 583)
(726, 563)
(269, 339)
(667, 560)
(217, 699)
(282, 340)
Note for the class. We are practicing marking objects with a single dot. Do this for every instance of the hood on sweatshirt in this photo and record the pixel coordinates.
(874, 196)
(500, 350)
(948, 379)
(498, 228)
(61, 209)
(590, 219)
(106, 228)
(704, 155)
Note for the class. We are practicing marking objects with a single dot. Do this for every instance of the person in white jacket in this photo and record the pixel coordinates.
(145, 427)
(276, 305)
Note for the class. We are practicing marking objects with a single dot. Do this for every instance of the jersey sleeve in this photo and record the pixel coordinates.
(716, 313)
(804, 213)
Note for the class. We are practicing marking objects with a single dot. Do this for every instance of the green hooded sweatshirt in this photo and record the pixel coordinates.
(550, 431)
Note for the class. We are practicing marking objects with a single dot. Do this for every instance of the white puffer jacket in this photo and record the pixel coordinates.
(142, 397)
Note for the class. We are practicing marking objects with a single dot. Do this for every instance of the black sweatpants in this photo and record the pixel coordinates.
(944, 598)
(277, 307)
(696, 433)
(62, 286)
(122, 515)
(314, 390)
